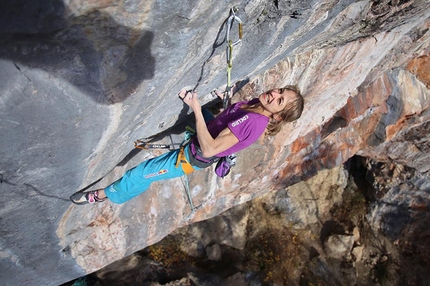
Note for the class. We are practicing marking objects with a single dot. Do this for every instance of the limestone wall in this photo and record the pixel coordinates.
(81, 80)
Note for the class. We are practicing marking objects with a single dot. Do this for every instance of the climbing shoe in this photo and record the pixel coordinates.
(83, 198)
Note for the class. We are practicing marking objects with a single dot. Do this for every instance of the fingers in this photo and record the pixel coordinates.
(189, 95)
(190, 98)
(183, 93)
(186, 94)
(219, 94)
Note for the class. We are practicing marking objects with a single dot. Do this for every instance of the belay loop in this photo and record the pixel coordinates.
(229, 52)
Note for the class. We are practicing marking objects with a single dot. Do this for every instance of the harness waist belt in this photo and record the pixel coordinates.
(182, 159)
(196, 159)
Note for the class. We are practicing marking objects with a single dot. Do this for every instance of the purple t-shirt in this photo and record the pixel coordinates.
(245, 125)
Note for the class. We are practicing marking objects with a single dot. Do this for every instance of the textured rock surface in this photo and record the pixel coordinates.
(80, 80)
(342, 244)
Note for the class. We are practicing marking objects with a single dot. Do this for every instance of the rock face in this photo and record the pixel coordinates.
(374, 232)
(81, 80)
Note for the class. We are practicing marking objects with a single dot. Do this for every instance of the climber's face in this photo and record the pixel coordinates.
(276, 100)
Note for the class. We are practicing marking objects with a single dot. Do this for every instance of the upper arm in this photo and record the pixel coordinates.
(225, 140)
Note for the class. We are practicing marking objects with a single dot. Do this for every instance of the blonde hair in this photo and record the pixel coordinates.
(292, 111)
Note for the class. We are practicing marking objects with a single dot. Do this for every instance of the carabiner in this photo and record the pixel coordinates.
(229, 42)
(230, 22)
(140, 144)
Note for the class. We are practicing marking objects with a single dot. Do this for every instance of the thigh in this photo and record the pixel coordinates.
(138, 179)
(160, 168)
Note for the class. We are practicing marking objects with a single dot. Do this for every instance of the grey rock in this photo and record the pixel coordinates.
(80, 81)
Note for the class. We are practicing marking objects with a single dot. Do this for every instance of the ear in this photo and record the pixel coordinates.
(277, 117)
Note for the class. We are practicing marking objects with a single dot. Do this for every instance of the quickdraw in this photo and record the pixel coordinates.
(230, 44)
(141, 144)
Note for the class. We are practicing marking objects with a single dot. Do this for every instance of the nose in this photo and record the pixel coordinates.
(274, 94)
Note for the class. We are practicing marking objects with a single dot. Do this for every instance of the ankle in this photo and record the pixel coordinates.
(101, 194)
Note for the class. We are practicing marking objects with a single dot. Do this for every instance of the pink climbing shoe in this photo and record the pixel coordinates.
(83, 198)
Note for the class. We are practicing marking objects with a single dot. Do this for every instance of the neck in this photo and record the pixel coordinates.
(258, 108)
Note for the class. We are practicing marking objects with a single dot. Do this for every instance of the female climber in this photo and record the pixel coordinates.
(234, 129)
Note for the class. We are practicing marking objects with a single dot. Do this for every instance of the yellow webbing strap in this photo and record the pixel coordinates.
(182, 159)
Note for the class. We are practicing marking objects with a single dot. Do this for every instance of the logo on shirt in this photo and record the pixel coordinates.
(240, 120)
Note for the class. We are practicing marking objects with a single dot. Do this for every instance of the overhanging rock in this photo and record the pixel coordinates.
(81, 81)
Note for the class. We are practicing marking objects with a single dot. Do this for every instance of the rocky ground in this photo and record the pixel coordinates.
(319, 232)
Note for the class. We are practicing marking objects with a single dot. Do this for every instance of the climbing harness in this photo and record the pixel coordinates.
(230, 44)
(182, 159)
